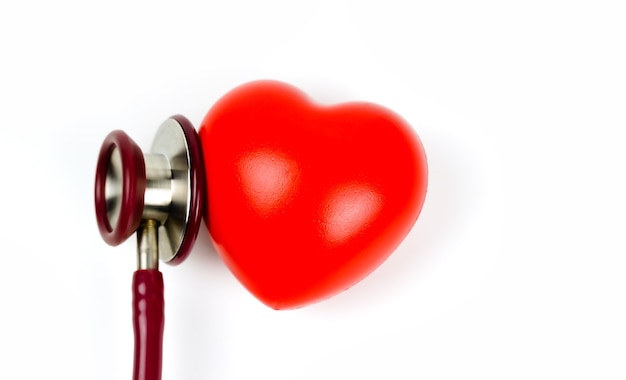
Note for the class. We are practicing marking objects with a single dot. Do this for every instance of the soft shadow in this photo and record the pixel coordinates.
(204, 253)
(193, 311)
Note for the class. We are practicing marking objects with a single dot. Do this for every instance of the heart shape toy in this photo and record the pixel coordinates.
(305, 200)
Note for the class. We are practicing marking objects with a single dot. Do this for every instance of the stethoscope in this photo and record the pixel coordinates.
(160, 196)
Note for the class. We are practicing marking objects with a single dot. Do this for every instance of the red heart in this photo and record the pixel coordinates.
(306, 200)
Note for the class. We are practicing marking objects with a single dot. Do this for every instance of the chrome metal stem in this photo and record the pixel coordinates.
(148, 245)
(158, 195)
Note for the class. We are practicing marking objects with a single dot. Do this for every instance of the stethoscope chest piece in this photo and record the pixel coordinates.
(158, 194)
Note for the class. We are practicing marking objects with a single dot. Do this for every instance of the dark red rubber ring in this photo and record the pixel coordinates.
(133, 187)
(198, 189)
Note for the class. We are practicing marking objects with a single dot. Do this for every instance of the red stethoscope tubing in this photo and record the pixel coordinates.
(147, 286)
(148, 321)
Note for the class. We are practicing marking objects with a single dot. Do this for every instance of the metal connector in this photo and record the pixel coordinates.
(148, 245)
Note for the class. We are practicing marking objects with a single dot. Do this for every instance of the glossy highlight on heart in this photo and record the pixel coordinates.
(305, 200)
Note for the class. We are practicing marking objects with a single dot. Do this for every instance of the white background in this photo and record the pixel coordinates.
(515, 269)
